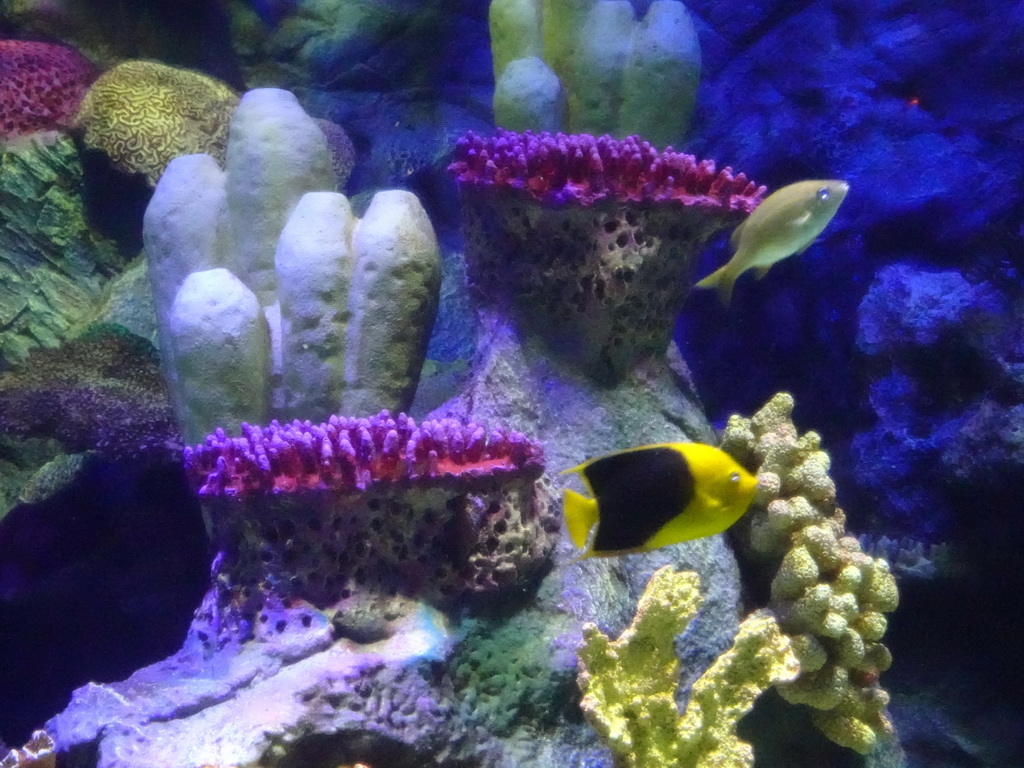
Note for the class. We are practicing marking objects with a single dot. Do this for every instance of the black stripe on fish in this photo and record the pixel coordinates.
(637, 492)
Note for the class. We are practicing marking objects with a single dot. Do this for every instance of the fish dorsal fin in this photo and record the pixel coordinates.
(734, 238)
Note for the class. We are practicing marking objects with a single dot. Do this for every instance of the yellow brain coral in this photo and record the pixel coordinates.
(829, 596)
(143, 114)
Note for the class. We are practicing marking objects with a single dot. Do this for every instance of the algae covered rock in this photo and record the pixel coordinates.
(54, 267)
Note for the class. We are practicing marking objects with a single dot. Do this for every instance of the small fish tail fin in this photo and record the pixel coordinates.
(722, 280)
(580, 516)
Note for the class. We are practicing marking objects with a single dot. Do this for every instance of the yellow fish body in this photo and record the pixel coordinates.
(787, 222)
(655, 495)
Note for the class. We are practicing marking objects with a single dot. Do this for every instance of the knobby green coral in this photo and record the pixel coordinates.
(629, 684)
(143, 114)
(829, 596)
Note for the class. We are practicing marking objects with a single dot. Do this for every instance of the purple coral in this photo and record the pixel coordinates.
(560, 168)
(326, 515)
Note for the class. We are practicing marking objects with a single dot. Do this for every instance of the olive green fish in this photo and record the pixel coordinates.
(787, 222)
(655, 495)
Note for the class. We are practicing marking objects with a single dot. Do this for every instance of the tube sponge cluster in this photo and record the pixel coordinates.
(272, 298)
(829, 596)
(629, 684)
(592, 66)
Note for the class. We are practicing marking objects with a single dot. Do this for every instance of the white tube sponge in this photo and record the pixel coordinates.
(314, 264)
(185, 229)
(661, 75)
(529, 96)
(392, 300)
(276, 153)
(603, 48)
(221, 353)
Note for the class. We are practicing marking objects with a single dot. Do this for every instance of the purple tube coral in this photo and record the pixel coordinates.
(327, 515)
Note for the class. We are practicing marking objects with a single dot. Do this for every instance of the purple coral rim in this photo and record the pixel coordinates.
(562, 168)
(347, 453)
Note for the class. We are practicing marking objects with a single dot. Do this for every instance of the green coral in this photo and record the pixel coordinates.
(506, 673)
(629, 684)
(54, 268)
(830, 597)
(143, 114)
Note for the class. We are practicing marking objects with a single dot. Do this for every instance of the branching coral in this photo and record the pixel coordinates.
(41, 86)
(142, 114)
(629, 684)
(830, 597)
(327, 514)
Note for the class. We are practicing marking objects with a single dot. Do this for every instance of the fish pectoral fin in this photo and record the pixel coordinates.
(804, 248)
(580, 516)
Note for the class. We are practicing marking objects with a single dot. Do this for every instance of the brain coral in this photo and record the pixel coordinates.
(41, 86)
(142, 114)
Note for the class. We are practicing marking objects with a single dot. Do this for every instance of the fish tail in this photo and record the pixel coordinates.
(722, 280)
(580, 516)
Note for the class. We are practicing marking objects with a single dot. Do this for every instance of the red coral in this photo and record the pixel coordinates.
(560, 168)
(353, 454)
(41, 86)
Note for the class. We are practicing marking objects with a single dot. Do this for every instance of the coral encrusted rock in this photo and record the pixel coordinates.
(591, 241)
(41, 87)
(327, 514)
(345, 554)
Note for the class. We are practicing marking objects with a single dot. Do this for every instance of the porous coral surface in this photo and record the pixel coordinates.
(591, 241)
(41, 86)
(142, 114)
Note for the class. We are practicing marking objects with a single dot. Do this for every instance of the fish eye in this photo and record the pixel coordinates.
(734, 478)
(823, 194)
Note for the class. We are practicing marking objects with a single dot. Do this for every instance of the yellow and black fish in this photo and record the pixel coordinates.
(655, 495)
